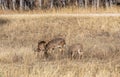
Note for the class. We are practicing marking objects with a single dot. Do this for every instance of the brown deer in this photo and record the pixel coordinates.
(75, 51)
(55, 44)
(40, 52)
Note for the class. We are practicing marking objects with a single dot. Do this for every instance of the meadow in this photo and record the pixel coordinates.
(100, 37)
(66, 10)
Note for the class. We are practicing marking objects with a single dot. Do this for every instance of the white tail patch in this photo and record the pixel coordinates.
(79, 51)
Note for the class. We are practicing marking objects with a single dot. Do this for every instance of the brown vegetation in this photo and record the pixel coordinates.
(98, 35)
(67, 10)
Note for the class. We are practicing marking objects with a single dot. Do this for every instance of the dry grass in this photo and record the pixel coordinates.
(100, 37)
(66, 10)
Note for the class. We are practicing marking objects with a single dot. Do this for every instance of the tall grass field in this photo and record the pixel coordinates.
(100, 37)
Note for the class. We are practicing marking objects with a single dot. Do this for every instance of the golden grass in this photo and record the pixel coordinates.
(66, 10)
(99, 36)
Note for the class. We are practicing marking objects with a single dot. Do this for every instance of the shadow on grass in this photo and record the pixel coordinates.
(3, 21)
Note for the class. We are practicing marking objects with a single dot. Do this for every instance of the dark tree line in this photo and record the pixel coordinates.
(45, 4)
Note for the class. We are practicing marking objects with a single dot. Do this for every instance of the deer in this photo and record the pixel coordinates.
(75, 50)
(55, 44)
(41, 51)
